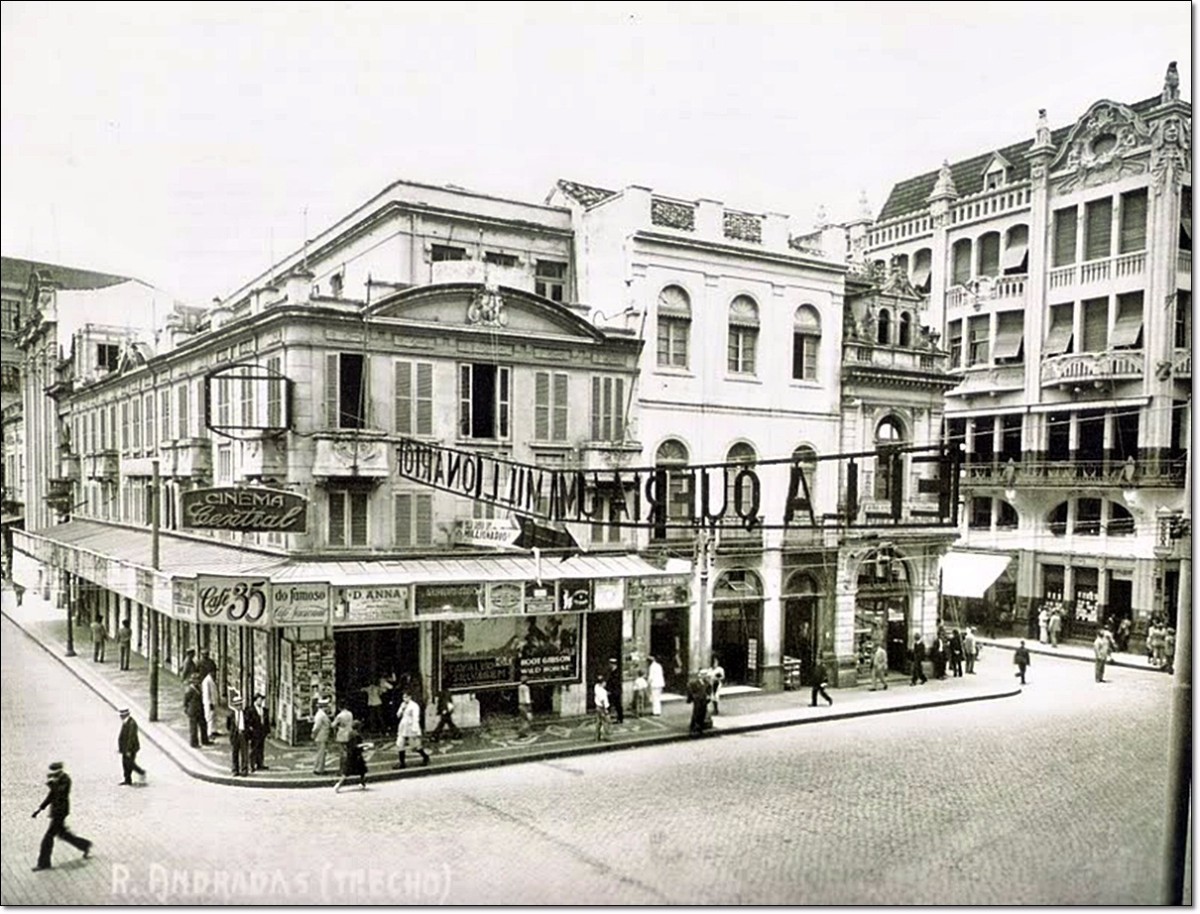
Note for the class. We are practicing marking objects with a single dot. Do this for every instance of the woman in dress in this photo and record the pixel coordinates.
(354, 762)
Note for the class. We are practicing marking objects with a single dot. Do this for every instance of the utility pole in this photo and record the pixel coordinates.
(154, 612)
(70, 625)
(704, 635)
(1179, 736)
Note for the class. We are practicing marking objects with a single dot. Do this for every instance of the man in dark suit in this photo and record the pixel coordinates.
(820, 680)
(612, 682)
(918, 661)
(193, 707)
(235, 722)
(257, 727)
(697, 696)
(58, 798)
(128, 745)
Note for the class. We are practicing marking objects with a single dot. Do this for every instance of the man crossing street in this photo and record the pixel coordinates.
(58, 798)
(129, 745)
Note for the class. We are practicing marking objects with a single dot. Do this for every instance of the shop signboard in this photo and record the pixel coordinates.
(492, 532)
(462, 599)
(300, 604)
(608, 594)
(541, 597)
(575, 596)
(505, 598)
(245, 508)
(497, 652)
(662, 591)
(144, 584)
(183, 599)
(370, 605)
(234, 600)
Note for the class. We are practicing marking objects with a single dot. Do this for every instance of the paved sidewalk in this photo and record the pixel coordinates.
(1074, 650)
(497, 743)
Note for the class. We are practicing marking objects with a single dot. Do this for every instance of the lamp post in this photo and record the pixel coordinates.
(70, 626)
(153, 612)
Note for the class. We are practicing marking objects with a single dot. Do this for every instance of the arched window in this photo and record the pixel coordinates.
(889, 463)
(922, 270)
(806, 460)
(806, 343)
(739, 453)
(904, 337)
(743, 335)
(961, 274)
(989, 254)
(1120, 522)
(1006, 516)
(670, 461)
(674, 327)
(884, 336)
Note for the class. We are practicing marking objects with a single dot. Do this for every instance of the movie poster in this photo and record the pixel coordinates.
(497, 652)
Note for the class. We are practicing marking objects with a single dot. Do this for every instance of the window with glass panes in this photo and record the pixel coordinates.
(979, 332)
(743, 335)
(671, 477)
(806, 343)
(550, 279)
(348, 517)
(483, 401)
(955, 337)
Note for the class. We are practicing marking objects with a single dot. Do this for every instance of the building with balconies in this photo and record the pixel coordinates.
(1059, 276)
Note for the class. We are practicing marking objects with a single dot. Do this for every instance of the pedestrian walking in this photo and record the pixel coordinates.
(1021, 659)
(658, 683)
(408, 731)
(1054, 627)
(1043, 625)
(603, 709)
(820, 680)
(99, 639)
(716, 675)
(258, 725)
(58, 798)
(129, 745)
(640, 687)
(189, 665)
(354, 764)
(375, 691)
(239, 742)
(1102, 649)
(970, 650)
(124, 643)
(956, 654)
(343, 722)
(208, 695)
(879, 667)
(322, 731)
(524, 707)
(917, 658)
(445, 712)
(193, 707)
(613, 684)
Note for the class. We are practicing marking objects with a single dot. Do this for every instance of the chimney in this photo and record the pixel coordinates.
(297, 286)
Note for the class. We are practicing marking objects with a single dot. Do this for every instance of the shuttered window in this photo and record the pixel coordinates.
(550, 406)
(413, 519)
(1010, 334)
(978, 331)
(1133, 221)
(608, 409)
(1066, 230)
(1095, 325)
(1098, 229)
(164, 414)
(1127, 329)
(274, 393)
(414, 398)
(348, 518)
(346, 397)
(962, 262)
(1062, 330)
(989, 254)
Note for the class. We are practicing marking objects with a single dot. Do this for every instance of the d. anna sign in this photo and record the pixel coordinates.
(245, 508)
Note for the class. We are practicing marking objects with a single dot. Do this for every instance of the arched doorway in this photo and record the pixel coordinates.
(801, 603)
(737, 625)
(882, 608)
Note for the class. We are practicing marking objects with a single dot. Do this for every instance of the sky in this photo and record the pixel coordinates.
(191, 144)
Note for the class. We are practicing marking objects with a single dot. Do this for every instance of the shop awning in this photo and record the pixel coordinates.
(970, 574)
(1127, 329)
(1010, 334)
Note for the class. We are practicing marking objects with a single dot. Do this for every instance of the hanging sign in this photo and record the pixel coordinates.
(234, 601)
(246, 509)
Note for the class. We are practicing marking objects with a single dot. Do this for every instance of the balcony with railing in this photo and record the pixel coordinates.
(1107, 269)
(896, 358)
(988, 379)
(604, 456)
(103, 465)
(1087, 367)
(1004, 290)
(263, 457)
(1054, 474)
(1181, 365)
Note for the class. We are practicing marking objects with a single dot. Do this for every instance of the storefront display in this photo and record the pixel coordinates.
(498, 652)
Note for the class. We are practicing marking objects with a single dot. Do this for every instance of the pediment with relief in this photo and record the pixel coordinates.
(501, 310)
(1099, 146)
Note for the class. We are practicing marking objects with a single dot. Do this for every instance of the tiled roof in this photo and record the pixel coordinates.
(16, 272)
(585, 193)
(912, 195)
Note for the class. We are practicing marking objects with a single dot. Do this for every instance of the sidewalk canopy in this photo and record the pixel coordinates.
(970, 574)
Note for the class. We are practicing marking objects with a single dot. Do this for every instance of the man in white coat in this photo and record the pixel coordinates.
(408, 731)
(208, 697)
(658, 682)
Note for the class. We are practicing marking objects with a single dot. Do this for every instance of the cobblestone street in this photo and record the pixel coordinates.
(1052, 797)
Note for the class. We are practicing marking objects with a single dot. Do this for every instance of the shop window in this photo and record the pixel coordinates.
(608, 409)
(1006, 516)
(674, 327)
(439, 253)
(1057, 519)
(806, 343)
(550, 279)
(484, 401)
(1066, 230)
(413, 519)
(347, 518)
(550, 406)
(1053, 582)
(743, 335)
(413, 406)
(346, 390)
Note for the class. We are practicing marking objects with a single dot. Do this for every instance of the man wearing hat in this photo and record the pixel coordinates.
(239, 742)
(257, 728)
(58, 798)
(322, 727)
(128, 745)
(613, 684)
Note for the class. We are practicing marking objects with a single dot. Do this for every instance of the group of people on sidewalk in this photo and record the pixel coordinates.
(346, 736)
(951, 651)
(100, 641)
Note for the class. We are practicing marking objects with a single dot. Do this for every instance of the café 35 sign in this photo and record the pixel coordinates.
(234, 600)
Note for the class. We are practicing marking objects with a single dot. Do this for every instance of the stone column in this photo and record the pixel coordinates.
(772, 620)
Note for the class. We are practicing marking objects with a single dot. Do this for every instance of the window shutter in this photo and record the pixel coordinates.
(464, 401)
(1061, 332)
(1098, 235)
(358, 518)
(989, 254)
(1095, 325)
(541, 406)
(811, 344)
(331, 391)
(337, 518)
(424, 531)
(962, 262)
(502, 376)
(559, 419)
(404, 398)
(1066, 227)
(165, 414)
(403, 520)
(664, 341)
(202, 416)
(618, 425)
(597, 419)
(424, 398)
(1127, 330)
(1133, 222)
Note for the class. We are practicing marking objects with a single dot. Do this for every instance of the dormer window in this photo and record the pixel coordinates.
(993, 179)
(995, 175)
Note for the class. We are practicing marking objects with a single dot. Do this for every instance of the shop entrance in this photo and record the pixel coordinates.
(669, 645)
(737, 626)
(881, 610)
(362, 655)
(1120, 601)
(603, 643)
(800, 606)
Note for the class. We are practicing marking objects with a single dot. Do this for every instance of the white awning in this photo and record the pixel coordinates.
(970, 574)
(1128, 328)
(1058, 340)
(1010, 334)
(1015, 255)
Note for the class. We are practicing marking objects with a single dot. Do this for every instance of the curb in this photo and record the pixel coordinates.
(1050, 652)
(155, 733)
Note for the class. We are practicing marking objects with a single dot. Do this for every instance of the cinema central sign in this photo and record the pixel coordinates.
(698, 496)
